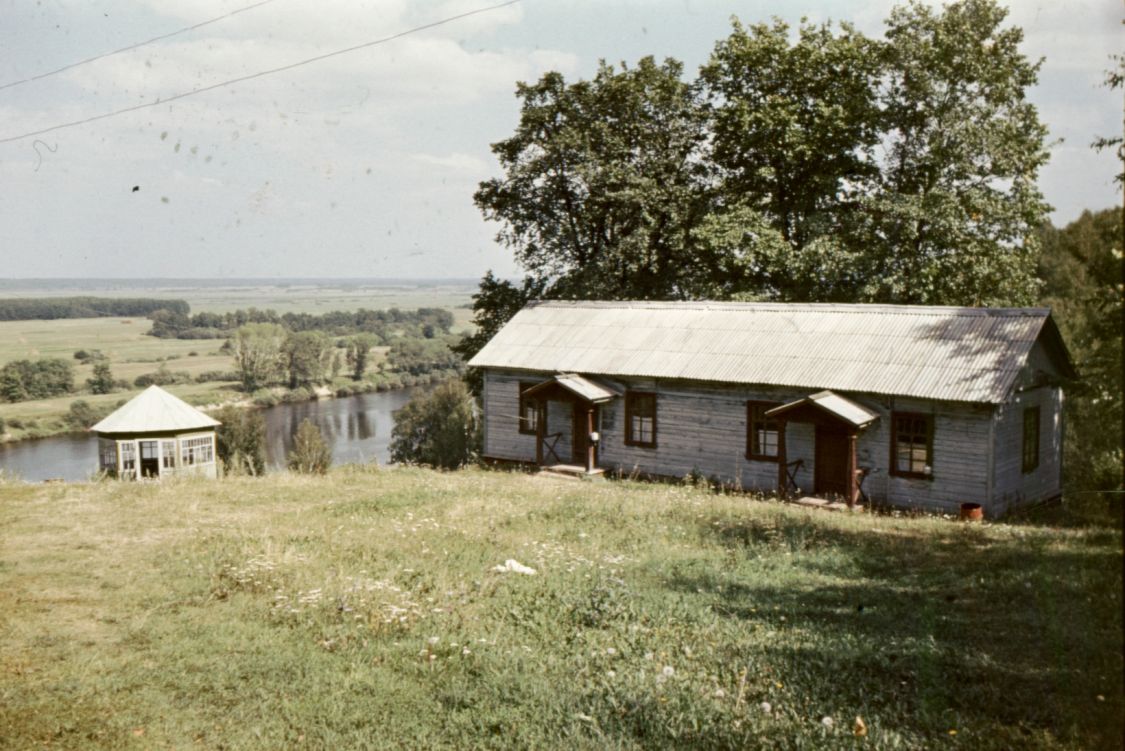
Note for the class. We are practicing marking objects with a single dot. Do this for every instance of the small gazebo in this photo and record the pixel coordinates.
(156, 434)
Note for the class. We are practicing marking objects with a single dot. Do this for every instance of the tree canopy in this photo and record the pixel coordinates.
(818, 166)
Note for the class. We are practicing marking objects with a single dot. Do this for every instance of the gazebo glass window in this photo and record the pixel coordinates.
(128, 456)
(197, 451)
(168, 454)
(107, 455)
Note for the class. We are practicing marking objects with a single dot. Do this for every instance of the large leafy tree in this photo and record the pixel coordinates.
(957, 208)
(258, 354)
(603, 183)
(794, 123)
(826, 166)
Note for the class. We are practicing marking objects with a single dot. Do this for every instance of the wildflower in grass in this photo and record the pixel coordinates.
(611, 673)
(433, 640)
(668, 671)
(827, 722)
(766, 707)
(610, 651)
(648, 655)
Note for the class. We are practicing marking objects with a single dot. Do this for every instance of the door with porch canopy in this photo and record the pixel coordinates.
(584, 397)
(838, 422)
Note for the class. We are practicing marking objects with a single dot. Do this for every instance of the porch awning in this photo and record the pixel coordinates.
(830, 404)
(582, 387)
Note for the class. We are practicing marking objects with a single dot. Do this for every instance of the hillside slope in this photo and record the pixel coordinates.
(363, 610)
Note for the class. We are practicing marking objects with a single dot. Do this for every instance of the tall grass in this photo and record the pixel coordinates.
(364, 610)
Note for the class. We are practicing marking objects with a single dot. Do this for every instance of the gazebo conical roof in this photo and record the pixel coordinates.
(153, 410)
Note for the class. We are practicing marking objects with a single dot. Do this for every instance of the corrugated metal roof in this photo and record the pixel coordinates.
(948, 353)
(153, 410)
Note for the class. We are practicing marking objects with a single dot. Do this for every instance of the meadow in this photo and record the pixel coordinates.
(131, 352)
(366, 610)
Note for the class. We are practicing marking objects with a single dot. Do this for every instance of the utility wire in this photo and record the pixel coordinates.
(184, 30)
(261, 74)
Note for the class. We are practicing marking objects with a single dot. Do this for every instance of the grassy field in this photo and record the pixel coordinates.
(363, 611)
(132, 353)
(309, 296)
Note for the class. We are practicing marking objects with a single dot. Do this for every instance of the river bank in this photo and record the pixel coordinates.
(51, 418)
(358, 427)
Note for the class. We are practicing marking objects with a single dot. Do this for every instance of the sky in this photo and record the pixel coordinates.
(364, 164)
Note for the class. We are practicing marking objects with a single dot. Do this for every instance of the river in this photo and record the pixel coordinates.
(359, 428)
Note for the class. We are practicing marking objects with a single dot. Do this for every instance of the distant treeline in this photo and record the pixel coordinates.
(49, 308)
(426, 323)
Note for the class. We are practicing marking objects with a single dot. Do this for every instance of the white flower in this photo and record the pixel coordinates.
(766, 707)
(610, 651)
(668, 671)
(611, 673)
(648, 655)
(433, 640)
(719, 693)
(827, 722)
(466, 651)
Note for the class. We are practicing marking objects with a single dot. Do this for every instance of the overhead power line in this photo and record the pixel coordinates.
(260, 74)
(184, 30)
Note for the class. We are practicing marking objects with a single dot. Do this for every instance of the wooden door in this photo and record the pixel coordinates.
(580, 436)
(831, 470)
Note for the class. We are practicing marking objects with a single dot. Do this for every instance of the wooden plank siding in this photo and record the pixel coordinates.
(701, 427)
(1012, 486)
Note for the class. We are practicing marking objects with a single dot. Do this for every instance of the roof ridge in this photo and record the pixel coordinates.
(899, 309)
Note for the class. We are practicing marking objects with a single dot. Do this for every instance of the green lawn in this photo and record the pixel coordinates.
(362, 611)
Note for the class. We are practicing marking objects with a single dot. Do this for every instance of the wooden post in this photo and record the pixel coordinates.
(782, 477)
(590, 447)
(853, 481)
(539, 411)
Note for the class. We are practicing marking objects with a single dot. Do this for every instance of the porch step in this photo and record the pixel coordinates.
(570, 472)
(821, 503)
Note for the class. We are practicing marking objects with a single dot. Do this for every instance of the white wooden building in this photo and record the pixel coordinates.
(156, 434)
(911, 406)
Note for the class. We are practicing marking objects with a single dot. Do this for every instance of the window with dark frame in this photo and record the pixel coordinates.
(912, 452)
(529, 411)
(1030, 439)
(761, 432)
(640, 419)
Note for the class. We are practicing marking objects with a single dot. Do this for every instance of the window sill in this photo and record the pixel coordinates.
(912, 475)
(761, 458)
(632, 444)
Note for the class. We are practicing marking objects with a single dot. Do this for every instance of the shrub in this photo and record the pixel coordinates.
(241, 440)
(440, 428)
(311, 454)
(162, 377)
(216, 375)
(102, 381)
(299, 394)
(264, 398)
(82, 414)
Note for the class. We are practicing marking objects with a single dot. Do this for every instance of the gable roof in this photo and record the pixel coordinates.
(947, 353)
(154, 409)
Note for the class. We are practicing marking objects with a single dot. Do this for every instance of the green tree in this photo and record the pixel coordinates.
(494, 304)
(257, 351)
(795, 124)
(440, 429)
(241, 440)
(825, 167)
(311, 454)
(102, 381)
(1081, 265)
(307, 357)
(603, 182)
(955, 216)
(359, 352)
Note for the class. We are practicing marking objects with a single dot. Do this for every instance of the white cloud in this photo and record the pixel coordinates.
(454, 162)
